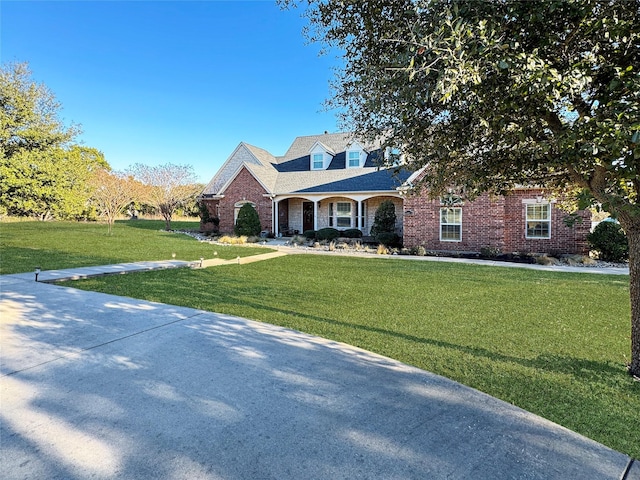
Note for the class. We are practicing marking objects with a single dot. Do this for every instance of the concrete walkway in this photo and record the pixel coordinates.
(101, 386)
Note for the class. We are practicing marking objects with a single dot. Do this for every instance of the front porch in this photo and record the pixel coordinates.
(293, 215)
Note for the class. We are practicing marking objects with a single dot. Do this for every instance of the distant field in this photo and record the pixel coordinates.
(50, 245)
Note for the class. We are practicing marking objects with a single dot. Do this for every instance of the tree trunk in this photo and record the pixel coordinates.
(633, 235)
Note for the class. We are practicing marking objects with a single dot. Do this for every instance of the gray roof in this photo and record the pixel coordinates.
(291, 173)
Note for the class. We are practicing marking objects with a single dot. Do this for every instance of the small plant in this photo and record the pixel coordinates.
(231, 240)
(298, 240)
(309, 234)
(382, 250)
(248, 222)
(419, 251)
(351, 233)
(327, 234)
(490, 252)
(609, 241)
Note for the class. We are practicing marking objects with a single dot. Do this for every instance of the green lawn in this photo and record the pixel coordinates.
(552, 343)
(51, 245)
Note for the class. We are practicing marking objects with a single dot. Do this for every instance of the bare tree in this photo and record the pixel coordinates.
(112, 192)
(167, 186)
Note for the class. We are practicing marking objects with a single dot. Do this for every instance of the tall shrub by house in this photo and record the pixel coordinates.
(248, 222)
(385, 219)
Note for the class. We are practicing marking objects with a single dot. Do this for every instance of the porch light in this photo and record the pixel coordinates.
(37, 272)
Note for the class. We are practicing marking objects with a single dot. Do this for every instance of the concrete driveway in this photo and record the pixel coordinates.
(105, 387)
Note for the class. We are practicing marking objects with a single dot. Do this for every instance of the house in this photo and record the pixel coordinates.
(333, 180)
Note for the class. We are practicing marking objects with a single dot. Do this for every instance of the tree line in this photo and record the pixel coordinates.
(45, 174)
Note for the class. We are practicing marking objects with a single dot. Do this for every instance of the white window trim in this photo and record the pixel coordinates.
(457, 224)
(526, 219)
(313, 161)
(333, 215)
(360, 163)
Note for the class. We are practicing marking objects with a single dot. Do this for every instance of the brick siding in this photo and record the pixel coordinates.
(492, 221)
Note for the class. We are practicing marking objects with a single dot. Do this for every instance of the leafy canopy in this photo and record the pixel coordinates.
(489, 95)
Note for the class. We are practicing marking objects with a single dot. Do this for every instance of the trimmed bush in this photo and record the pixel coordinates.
(388, 239)
(385, 219)
(309, 234)
(327, 234)
(248, 222)
(351, 233)
(609, 242)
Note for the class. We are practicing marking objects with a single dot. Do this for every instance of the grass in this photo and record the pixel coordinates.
(51, 245)
(554, 344)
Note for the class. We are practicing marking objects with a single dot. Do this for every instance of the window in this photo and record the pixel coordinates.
(450, 224)
(354, 159)
(318, 161)
(237, 207)
(340, 215)
(538, 220)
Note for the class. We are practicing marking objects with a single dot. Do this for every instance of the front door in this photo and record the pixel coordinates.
(307, 216)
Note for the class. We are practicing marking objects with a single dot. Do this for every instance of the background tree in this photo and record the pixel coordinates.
(489, 95)
(42, 174)
(47, 184)
(248, 221)
(169, 186)
(112, 192)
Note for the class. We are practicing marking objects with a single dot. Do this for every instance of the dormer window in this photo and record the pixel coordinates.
(353, 159)
(355, 155)
(320, 156)
(318, 161)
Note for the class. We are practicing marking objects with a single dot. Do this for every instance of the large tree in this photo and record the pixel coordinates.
(169, 186)
(487, 95)
(42, 174)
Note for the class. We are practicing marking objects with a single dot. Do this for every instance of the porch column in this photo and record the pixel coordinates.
(315, 214)
(358, 218)
(275, 217)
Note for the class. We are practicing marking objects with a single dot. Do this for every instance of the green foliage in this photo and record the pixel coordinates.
(41, 174)
(54, 183)
(489, 95)
(327, 234)
(385, 218)
(609, 241)
(351, 233)
(388, 239)
(248, 222)
(309, 234)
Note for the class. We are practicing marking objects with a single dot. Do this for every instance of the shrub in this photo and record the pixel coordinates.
(233, 240)
(388, 239)
(351, 233)
(327, 234)
(298, 240)
(609, 241)
(309, 234)
(385, 219)
(248, 222)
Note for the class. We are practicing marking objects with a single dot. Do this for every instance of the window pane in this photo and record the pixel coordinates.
(451, 232)
(344, 221)
(538, 221)
(354, 159)
(317, 160)
(344, 208)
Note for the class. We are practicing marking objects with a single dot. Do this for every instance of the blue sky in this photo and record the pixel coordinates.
(179, 82)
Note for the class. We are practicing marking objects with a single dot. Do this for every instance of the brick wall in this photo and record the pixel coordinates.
(244, 188)
(492, 221)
